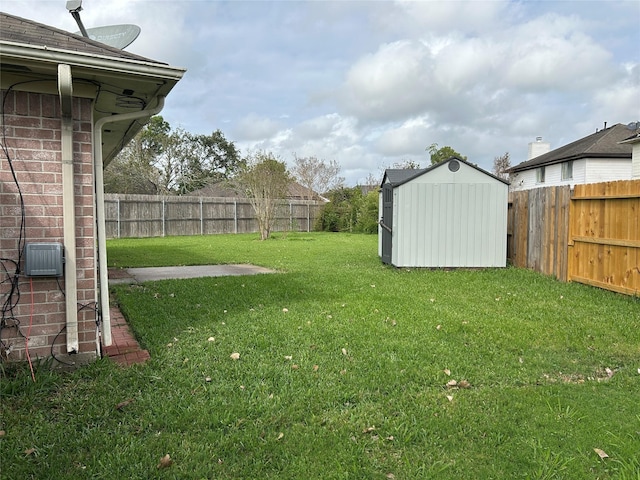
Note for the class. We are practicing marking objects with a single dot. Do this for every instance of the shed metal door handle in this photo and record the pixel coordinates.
(387, 228)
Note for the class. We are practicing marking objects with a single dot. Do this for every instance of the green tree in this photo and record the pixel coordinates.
(207, 158)
(265, 181)
(340, 214)
(162, 160)
(438, 155)
(368, 213)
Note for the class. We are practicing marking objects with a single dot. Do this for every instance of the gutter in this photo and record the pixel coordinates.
(65, 89)
(94, 62)
(100, 217)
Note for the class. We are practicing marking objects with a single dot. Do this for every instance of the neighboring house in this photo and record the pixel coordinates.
(634, 141)
(452, 214)
(69, 104)
(224, 189)
(599, 157)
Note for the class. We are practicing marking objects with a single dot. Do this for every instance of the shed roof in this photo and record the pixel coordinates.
(602, 144)
(399, 176)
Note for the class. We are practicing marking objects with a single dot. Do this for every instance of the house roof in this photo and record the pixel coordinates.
(20, 30)
(225, 189)
(397, 176)
(117, 81)
(602, 144)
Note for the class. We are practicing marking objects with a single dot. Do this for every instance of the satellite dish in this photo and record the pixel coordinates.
(118, 36)
(633, 125)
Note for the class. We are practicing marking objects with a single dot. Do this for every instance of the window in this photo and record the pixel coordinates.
(567, 170)
(540, 175)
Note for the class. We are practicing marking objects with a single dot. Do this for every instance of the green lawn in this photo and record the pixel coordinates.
(343, 373)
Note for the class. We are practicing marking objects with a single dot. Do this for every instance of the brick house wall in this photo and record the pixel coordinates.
(31, 126)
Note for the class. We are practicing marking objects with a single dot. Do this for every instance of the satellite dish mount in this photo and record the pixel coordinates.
(118, 36)
(74, 7)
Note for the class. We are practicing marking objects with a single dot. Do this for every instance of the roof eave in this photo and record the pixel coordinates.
(568, 159)
(43, 54)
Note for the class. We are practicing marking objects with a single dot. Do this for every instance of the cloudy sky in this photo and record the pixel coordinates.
(373, 83)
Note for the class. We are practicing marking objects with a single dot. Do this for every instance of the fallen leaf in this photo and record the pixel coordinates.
(609, 372)
(432, 300)
(123, 404)
(601, 453)
(369, 429)
(288, 357)
(29, 451)
(393, 323)
(207, 379)
(520, 359)
(285, 310)
(451, 383)
(343, 372)
(280, 436)
(165, 461)
(211, 339)
(438, 327)
(241, 387)
(391, 476)
(294, 367)
(315, 368)
(390, 438)
(344, 351)
(464, 384)
(447, 371)
(2, 433)
(235, 356)
(373, 286)
(450, 398)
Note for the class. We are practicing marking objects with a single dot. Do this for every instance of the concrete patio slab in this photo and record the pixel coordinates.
(148, 274)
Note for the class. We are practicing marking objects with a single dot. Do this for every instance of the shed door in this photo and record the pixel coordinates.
(387, 221)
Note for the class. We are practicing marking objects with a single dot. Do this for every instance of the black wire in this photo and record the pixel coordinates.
(13, 295)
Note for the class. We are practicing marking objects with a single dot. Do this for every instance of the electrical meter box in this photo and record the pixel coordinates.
(43, 259)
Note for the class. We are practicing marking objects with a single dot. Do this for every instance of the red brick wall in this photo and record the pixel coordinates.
(32, 137)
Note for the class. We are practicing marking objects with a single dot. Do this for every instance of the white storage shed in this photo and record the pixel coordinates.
(453, 214)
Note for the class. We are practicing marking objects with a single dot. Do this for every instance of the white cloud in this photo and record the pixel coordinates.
(255, 127)
(369, 84)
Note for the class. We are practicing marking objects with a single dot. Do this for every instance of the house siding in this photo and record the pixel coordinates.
(601, 170)
(32, 129)
(585, 170)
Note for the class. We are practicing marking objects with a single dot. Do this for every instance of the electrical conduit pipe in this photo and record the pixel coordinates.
(100, 220)
(65, 90)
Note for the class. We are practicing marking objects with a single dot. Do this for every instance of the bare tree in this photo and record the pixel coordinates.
(316, 175)
(265, 181)
(501, 165)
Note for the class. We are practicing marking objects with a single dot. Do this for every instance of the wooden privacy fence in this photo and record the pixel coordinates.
(590, 235)
(158, 216)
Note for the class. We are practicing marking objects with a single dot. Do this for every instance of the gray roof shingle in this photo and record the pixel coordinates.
(27, 32)
(602, 144)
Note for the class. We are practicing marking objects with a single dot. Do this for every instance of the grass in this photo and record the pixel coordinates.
(341, 373)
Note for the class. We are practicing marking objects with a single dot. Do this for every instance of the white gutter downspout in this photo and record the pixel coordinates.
(101, 224)
(65, 89)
